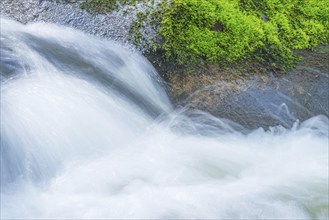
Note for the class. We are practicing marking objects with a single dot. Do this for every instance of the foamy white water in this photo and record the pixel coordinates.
(88, 132)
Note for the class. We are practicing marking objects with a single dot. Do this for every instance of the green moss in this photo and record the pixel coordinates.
(231, 30)
(137, 38)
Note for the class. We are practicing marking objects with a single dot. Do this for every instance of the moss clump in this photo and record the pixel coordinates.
(212, 30)
(300, 24)
(230, 30)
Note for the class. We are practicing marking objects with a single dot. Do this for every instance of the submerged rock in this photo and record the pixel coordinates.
(260, 100)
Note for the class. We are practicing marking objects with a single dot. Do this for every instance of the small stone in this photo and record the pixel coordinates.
(264, 17)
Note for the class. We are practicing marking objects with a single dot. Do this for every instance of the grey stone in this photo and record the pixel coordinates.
(113, 26)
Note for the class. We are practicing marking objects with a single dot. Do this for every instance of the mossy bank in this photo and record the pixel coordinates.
(222, 32)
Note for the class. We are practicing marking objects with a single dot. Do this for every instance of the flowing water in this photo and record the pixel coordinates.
(87, 131)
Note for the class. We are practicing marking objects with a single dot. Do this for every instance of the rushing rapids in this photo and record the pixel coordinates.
(87, 131)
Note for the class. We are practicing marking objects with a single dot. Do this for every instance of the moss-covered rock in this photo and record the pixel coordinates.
(226, 31)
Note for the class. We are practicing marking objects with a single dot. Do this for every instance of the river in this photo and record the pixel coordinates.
(88, 131)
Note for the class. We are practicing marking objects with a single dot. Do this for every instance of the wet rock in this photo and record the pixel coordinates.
(260, 100)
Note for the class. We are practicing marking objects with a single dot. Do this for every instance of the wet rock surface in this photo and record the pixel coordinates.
(261, 100)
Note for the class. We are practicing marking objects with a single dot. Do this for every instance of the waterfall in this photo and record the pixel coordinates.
(88, 131)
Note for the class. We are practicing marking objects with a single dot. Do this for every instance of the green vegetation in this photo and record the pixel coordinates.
(226, 31)
(211, 31)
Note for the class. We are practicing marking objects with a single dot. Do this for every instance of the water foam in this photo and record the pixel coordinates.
(74, 147)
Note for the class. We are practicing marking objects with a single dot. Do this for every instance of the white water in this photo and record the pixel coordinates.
(75, 144)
